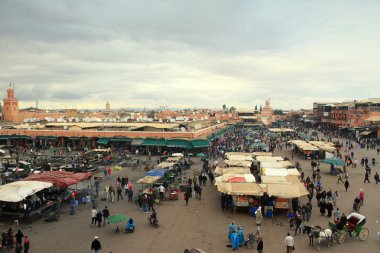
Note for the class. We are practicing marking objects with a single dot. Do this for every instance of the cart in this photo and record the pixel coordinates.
(354, 228)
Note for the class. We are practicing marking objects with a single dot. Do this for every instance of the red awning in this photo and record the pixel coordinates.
(61, 179)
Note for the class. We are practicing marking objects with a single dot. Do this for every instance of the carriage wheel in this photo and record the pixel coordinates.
(341, 237)
(363, 234)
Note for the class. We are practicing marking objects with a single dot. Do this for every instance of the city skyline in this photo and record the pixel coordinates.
(70, 54)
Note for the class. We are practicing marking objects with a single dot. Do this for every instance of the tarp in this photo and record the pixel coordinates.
(275, 180)
(232, 170)
(148, 179)
(245, 178)
(177, 154)
(239, 158)
(61, 179)
(158, 172)
(121, 139)
(179, 143)
(154, 142)
(269, 158)
(273, 165)
(274, 172)
(251, 189)
(165, 165)
(103, 141)
(262, 154)
(294, 190)
(17, 191)
(199, 143)
(234, 163)
(293, 172)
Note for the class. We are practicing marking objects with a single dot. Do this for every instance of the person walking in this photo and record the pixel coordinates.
(377, 178)
(119, 195)
(93, 216)
(99, 217)
(340, 179)
(145, 204)
(260, 245)
(289, 243)
(130, 195)
(366, 177)
(161, 190)
(19, 235)
(186, 197)
(26, 244)
(96, 245)
(106, 214)
(346, 184)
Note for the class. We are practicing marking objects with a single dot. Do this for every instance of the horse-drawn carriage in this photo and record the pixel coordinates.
(354, 228)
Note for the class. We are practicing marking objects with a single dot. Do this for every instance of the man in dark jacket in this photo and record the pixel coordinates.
(99, 217)
(260, 245)
(106, 214)
(95, 245)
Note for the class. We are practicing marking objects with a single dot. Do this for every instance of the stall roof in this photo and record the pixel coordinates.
(274, 172)
(156, 172)
(199, 143)
(294, 190)
(275, 165)
(239, 157)
(242, 178)
(233, 170)
(165, 165)
(17, 191)
(148, 179)
(234, 163)
(61, 179)
(262, 154)
(252, 189)
(269, 158)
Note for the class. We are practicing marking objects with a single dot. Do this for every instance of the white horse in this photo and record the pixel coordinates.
(322, 234)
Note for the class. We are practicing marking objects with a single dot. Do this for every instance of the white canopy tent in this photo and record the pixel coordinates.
(17, 191)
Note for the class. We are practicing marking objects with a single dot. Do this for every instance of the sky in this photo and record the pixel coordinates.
(186, 54)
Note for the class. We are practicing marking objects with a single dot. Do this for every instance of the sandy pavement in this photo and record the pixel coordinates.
(202, 224)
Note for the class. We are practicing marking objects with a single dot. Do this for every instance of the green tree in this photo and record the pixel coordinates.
(224, 107)
(278, 112)
(232, 109)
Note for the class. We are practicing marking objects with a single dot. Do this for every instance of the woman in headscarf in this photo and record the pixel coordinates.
(235, 240)
(240, 234)
(231, 228)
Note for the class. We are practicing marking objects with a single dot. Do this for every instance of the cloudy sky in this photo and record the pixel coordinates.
(182, 53)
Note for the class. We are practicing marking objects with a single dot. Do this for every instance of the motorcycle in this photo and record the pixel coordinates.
(250, 242)
(153, 222)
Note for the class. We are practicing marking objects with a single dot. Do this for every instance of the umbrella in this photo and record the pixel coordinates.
(334, 161)
(200, 155)
(116, 219)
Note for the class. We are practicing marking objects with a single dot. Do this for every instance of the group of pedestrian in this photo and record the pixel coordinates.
(7, 241)
(99, 217)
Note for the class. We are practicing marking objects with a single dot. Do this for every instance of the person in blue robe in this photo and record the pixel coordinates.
(240, 234)
(235, 240)
(231, 228)
(130, 226)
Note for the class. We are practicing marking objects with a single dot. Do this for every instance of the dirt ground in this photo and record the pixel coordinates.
(202, 224)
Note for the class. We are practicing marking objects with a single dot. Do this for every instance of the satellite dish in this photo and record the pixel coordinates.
(65, 127)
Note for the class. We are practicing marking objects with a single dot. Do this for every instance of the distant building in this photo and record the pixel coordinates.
(108, 106)
(11, 113)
